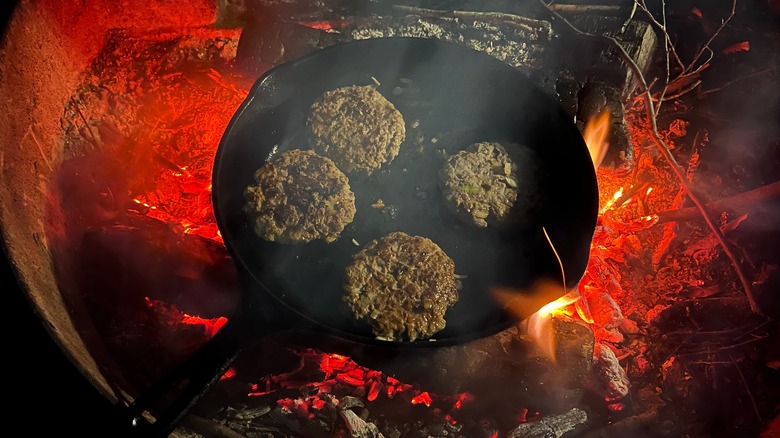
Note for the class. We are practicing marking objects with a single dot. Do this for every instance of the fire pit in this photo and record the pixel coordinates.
(108, 220)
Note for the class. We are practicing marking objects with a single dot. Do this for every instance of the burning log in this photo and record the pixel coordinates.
(608, 378)
(606, 315)
(574, 346)
(585, 9)
(637, 38)
(266, 44)
(551, 427)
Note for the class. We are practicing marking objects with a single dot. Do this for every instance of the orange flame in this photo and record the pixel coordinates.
(539, 323)
(595, 136)
(615, 198)
(523, 303)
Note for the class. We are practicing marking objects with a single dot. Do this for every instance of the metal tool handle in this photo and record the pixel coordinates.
(173, 397)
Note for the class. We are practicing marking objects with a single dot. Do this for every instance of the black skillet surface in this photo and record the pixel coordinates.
(459, 96)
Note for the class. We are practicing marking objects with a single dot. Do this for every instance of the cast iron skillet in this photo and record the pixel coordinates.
(459, 96)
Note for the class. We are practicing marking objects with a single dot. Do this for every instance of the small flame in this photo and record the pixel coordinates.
(595, 136)
(611, 202)
(539, 323)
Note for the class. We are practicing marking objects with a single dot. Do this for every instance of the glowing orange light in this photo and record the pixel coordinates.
(373, 390)
(462, 398)
(422, 398)
(557, 307)
(327, 26)
(211, 326)
(612, 201)
(595, 136)
(229, 374)
(649, 189)
(523, 417)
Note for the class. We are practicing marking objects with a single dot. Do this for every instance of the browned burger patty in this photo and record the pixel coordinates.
(357, 127)
(479, 183)
(402, 285)
(298, 197)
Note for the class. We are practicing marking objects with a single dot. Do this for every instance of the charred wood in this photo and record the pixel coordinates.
(551, 427)
(585, 9)
(574, 346)
(597, 60)
(358, 427)
(608, 379)
(269, 42)
(743, 203)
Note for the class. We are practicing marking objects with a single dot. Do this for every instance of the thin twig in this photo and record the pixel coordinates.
(38, 144)
(747, 389)
(584, 9)
(741, 201)
(727, 347)
(678, 94)
(628, 20)
(742, 329)
(667, 45)
(528, 24)
(752, 75)
(84, 120)
(706, 46)
(662, 28)
(667, 154)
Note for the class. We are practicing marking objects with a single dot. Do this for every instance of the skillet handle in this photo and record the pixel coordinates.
(181, 390)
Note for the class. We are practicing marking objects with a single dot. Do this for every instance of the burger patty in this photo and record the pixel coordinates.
(298, 197)
(480, 184)
(403, 285)
(356, 127)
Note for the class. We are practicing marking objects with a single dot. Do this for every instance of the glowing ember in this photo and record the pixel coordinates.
(325, 25)
(229, 374)
(423, 398)
(463, 398)
(595, 135)
(210, 326)
(618, 194)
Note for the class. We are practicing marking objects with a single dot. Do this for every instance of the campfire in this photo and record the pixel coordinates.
(670, 331)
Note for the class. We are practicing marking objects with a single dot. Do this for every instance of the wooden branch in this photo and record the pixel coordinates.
(552, 426)
(584, 9)
(741, 202)
(528, 24)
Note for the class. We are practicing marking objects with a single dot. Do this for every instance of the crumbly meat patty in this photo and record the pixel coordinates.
(298, 197)
(479, 184)
(357, 127)
(402, 285)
